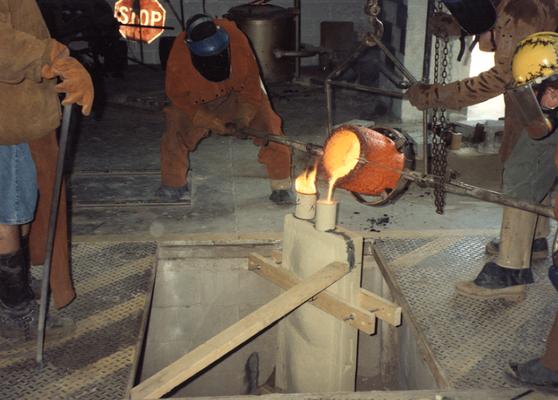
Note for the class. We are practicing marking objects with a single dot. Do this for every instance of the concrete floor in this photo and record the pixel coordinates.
(230, 188)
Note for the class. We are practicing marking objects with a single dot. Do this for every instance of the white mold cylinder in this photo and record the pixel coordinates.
(326, 215)
(305, 206)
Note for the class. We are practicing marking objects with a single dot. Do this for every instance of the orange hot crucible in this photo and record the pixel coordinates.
(380, 174)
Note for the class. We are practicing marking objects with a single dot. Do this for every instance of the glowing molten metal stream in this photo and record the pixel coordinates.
(341, 155)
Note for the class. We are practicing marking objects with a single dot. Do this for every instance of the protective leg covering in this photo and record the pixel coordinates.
(18, 310)
(179, 139)
(45, 152)
(506, 277)
(16, 296)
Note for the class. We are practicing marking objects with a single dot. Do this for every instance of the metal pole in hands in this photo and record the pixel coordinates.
(63, 141)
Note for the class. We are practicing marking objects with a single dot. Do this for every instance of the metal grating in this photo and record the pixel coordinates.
(112, 282)
(472, 340)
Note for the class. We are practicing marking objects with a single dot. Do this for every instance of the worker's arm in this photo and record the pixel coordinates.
(512, 26)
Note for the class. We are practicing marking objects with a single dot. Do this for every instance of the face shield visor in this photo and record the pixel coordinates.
(538, 121)
(210, 56)
(474, 16)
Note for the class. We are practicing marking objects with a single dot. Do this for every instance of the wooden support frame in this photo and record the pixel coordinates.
(235, 335)
(385, 310)
(357, 317)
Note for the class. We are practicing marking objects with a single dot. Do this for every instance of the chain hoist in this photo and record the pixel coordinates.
(372, 9)
(439, 122)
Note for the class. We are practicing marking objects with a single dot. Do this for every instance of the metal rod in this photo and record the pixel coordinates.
(425, 141)
(451, 186)
(182, 15)
(393, 59)
(297, 36)
(63, 141)
(335, 74)
(369, 89)
(176, 14)
(147, 26)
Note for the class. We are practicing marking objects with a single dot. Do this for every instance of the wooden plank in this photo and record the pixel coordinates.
(384, 309)
(355, 316)
(232, 337)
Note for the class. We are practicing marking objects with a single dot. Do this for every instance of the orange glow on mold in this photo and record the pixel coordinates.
(341, 155)
(305, 183)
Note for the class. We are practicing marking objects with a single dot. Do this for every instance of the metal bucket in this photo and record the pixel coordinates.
(268, 28)
(384, 154)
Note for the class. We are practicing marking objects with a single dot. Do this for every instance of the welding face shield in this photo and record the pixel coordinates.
(537, 120)
(209, 48)
(474, 16)
(535, 91)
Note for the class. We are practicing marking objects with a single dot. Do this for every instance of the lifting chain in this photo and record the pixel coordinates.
(439, 123)
(372, 9)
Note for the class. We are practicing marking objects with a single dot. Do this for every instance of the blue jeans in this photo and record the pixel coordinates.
(18, 185)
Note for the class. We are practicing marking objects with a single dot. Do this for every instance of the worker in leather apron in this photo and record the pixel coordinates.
(214, 85)
(528, 172)
(535, 91)
(32, 66)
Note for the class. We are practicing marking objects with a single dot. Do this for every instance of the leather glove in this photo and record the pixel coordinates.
(420, 95)
(442, 24)
(76, 82)
(203, 119)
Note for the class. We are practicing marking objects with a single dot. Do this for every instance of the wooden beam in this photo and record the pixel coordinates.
(384, 309)
(355, 316)
(235, 335)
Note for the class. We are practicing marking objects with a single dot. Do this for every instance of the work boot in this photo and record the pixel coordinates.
(18, 310)
(533, 373)
(173, 194)
(539, 251)
(496, 282)
(21, 323)
(282, 197)
(34, 283)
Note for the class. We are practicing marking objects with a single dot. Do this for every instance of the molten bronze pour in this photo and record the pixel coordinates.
(346, 149)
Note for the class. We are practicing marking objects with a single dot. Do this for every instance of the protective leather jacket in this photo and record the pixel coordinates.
(189, 90)
(515, 20)
(29, 106)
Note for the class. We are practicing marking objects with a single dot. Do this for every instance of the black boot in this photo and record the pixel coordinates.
(496, 282)
(34, 283)
(16, 296)
(533, 373)
(18, 309)
(492, 276)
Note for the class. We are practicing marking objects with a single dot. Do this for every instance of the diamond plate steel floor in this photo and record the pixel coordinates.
(472, 340)
(112, 281)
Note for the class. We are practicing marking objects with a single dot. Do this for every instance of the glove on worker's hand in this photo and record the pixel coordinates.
(442, 24)
(420, 95)
(76, 82)
(203, 119)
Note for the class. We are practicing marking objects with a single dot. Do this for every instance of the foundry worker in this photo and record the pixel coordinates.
(535, 73)
(528, 170)
(30, 65)
(214, 85)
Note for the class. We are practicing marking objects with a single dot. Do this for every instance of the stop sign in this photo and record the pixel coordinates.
(132, 27)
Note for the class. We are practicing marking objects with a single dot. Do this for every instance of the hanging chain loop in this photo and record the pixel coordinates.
(373, 9)
(439, 122)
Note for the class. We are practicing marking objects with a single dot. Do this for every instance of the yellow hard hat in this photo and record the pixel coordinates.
(535, 58)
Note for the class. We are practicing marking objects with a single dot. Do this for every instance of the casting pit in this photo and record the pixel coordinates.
(202, 289)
